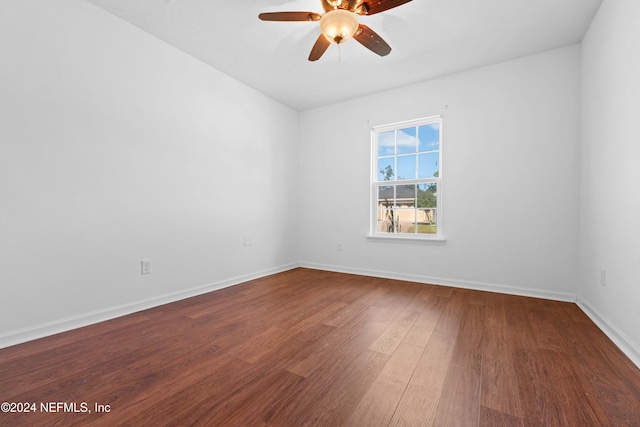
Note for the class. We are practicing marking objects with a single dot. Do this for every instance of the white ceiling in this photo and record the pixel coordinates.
(429, 38)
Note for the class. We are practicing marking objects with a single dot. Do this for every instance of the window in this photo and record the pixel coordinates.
(407, 179)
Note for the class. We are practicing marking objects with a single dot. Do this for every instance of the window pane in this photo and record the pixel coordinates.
(406, 221)
(406, 167)
(407, 142)
(429, 136)
(406, 196)
(386, 196)
(385, 222)
(427, 165)
(385, 169)
(426, 221)
(427, 196)
(386, 143)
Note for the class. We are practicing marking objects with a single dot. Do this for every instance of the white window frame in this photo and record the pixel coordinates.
(375, 183)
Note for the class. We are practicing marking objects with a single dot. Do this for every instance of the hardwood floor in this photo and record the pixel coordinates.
(309, 347)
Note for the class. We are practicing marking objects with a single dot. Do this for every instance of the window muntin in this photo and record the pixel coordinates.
(406, 179)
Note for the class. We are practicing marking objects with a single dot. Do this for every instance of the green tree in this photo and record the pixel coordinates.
(387, 173)
(427, 197)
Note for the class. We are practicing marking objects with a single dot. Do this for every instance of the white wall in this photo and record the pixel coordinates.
(510, 179)
(115, 147)
(610, 172)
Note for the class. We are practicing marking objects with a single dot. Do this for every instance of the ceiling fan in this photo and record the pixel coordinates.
(339, 23)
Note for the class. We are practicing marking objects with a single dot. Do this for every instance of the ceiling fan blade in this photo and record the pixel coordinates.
(319, 48)
(371, 7)
(371, 40)
(290, 16)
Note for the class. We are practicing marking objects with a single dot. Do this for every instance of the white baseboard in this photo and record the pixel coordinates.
(623, 342)
(454, 283)
(41, 330)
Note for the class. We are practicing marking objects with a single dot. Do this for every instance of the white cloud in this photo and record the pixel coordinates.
(387, 141)
(405, 140)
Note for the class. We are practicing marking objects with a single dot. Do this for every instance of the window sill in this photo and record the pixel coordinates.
(406, 239)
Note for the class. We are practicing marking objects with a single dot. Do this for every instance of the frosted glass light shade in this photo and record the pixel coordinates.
(338, 25)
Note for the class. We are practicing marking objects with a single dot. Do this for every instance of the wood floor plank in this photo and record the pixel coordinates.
(282, 346)
(345, 315)
(419, 403)
(492, 418)
(352, 287)
(206, 412)
(452, 314)
(308, 329)
(398, 295)
(499, 381)
(46, 368)
(364, 328)
(296, 348)
(468, 350)
(377, 406)
(612, 385)
(569, 384)
(323, 390)
(395, 333)
(188, 396)
(461, 389)
(539, 394)
(335, 406)
(425, 324)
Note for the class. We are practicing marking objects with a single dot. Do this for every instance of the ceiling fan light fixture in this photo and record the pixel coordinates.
(338, 25)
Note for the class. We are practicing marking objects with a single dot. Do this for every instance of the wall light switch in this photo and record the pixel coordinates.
(248, 240)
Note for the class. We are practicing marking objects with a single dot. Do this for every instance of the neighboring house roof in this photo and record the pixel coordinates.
(405, 196)
(402, 192)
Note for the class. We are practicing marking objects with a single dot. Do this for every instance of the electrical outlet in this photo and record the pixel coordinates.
(339, 246)
(145, 266)
(603, 277)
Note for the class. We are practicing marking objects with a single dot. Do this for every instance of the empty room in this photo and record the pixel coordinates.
(319, 212)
